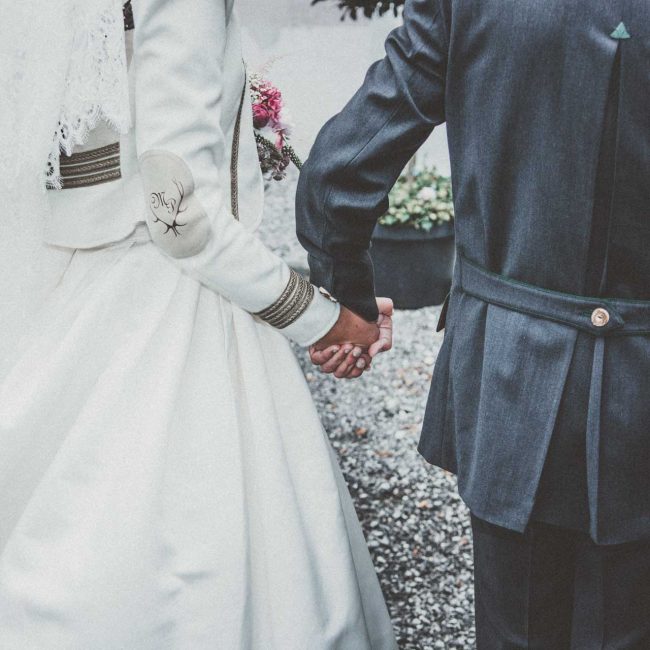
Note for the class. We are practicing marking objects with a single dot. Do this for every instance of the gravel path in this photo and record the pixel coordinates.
(416, 525)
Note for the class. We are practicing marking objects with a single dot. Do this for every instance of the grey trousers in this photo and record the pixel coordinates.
(554, 589)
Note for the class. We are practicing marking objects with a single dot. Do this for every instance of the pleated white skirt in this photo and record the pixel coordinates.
(165, 481)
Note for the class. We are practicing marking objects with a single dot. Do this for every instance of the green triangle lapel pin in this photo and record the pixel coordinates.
(620, 33)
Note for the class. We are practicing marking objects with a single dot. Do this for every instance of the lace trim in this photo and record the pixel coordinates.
(97, 85)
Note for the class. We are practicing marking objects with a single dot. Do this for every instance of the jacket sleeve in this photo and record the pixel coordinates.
(359, 154)
(179, 58)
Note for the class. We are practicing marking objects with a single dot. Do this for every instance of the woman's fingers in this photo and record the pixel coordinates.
(354, 365)
(337, 360)
(364, 362)
(347, 364)
(346, 361)
(354, 373)
(362, 365)
(319, 357)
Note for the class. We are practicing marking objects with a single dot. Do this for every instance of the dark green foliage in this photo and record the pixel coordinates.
(368, 8)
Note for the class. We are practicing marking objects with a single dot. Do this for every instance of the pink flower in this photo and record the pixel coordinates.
(272, 101)
(268, 107)
(261, 116)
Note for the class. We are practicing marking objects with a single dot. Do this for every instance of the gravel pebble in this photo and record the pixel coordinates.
(417, 527)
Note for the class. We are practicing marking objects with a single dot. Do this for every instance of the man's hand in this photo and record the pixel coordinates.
(350, 328)
(351, 361)
(385, 324)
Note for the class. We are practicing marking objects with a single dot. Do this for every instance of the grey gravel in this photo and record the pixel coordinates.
(416, 526)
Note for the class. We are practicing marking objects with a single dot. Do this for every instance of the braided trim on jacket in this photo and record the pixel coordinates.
(291, 305)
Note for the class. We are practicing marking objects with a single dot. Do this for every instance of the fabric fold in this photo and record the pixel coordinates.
(594, 436)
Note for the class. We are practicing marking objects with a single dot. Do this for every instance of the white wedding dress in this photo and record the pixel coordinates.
(165, 481)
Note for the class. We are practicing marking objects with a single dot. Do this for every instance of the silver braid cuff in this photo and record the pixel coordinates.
(291, 305)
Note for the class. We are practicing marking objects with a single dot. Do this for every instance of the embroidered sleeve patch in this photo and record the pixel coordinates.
(178, 223)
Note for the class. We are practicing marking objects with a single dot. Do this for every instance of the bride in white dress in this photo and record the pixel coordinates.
(165, 482)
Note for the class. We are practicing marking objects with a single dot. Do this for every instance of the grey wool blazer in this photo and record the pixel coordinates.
(547, 106)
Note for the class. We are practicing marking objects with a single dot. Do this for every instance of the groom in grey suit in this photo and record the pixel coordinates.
(540, 400)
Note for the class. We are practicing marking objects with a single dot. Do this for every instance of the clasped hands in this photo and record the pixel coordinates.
(348, 349)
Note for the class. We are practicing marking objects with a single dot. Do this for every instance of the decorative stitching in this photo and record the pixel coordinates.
(294, 301)
(302, 303)
(88, 181)
(79, 170)
(234, 157)
(272, 311)
(89, 168)
(95, 154)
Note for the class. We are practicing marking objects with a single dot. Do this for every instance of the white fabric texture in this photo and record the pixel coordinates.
(186, 81)
(189, 78)
(165, 481)
(31, 77)
(35, 50)
(96, 84)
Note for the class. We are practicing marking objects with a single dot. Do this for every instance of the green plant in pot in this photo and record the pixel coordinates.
(421, 200)
(367, 8)
(413, 245)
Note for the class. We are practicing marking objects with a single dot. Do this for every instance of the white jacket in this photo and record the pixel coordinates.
(173, 169)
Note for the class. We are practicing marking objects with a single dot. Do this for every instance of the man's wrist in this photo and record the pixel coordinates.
(351, 282)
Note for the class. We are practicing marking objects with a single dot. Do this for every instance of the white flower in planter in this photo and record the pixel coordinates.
(427, 194)
(420, 200)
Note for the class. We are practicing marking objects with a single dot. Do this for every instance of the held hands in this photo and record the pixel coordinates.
(348, 349)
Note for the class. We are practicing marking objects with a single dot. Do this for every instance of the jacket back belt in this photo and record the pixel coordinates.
(598, 316)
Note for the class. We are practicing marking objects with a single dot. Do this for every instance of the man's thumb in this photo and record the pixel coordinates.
(385, 306)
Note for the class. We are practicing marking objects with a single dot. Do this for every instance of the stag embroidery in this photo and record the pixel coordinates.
(170, 207)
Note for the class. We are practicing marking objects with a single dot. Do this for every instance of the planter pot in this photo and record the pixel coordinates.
(413, 267)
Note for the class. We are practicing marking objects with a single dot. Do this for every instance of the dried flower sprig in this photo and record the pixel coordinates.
(272, 129)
